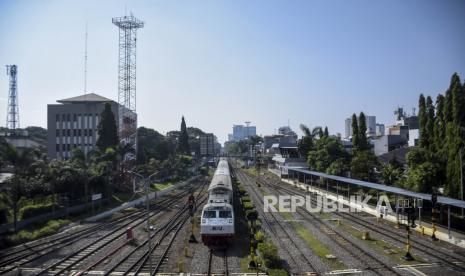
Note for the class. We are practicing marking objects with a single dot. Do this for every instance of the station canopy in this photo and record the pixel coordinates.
(441, 199)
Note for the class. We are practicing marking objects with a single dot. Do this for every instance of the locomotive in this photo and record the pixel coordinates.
(217, 221)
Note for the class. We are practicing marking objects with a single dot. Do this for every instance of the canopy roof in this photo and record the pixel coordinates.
(441, 199)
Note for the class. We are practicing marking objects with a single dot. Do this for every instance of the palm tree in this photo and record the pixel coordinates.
(14, 189)
(307, 142)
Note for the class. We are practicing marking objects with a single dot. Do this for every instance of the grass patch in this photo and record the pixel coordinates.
(51, 227)
(381, 247)
(161, 186)
(320, 249)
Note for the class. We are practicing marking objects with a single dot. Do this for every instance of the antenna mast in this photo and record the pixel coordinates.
(85, 64)
(128, 26)
(12, 117)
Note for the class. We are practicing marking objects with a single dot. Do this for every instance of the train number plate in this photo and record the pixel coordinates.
(217, 228)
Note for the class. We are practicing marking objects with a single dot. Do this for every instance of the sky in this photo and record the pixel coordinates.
(222, 62)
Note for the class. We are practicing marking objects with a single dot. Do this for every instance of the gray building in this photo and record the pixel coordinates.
(241, 132)
(387, 143)
(73, 122)
(207, 144)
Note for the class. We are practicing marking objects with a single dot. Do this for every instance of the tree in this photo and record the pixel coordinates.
(363, 165)
(326, 132)
(107, 129)
(327, 151)
(183, 142)
(355, 131)
(306, 143)
(429, 127)
(440, 125)
(362, 130)
(423, 171)
(458, 101)
(422, 119)
(14, 190)
(392, 172)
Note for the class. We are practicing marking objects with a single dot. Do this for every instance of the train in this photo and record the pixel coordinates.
(217, 220)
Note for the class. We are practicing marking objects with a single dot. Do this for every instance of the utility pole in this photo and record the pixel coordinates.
(461, 177)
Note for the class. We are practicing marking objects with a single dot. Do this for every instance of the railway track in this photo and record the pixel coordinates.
(84, 253)
(26, 250)
(138, 261)
(21, 255)
(397, 235)
(372, 262)
(218, 265)
(271, 220)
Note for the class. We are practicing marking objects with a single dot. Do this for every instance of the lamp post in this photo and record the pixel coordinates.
(145, 181)
(461, 177)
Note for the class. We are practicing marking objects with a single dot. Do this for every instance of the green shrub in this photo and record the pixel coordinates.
(248, 205)
(35, 210)
(241, 190)
(24, 236)
(245, 199)
(260, 236)
(269, 253)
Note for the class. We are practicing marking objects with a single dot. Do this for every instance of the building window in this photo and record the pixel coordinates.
(63, 147)
(68, 146)
(74, 132)
(57, 132)
(68, 117)
(63, 117)
(85, 132)
(79, 132)
(63, 132)
(74, 117)
(69, 132)
(57, 147)
(90, 132)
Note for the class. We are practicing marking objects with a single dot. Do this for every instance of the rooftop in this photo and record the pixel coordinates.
(90, 98)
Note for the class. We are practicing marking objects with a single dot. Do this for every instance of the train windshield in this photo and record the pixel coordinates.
(225, 214)
(209, 214)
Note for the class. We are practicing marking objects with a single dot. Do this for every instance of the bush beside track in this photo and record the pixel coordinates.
(268, 256)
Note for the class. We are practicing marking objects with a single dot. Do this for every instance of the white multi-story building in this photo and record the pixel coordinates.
(370, 123)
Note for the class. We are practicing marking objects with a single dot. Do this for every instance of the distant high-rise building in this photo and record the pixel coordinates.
(73, 124)
(241, 132)
(370, 123)
(348, 128)
(380, 129)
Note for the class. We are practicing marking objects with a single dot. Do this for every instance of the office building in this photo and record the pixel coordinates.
(207, 144)
(241, 132)
(73, 123)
